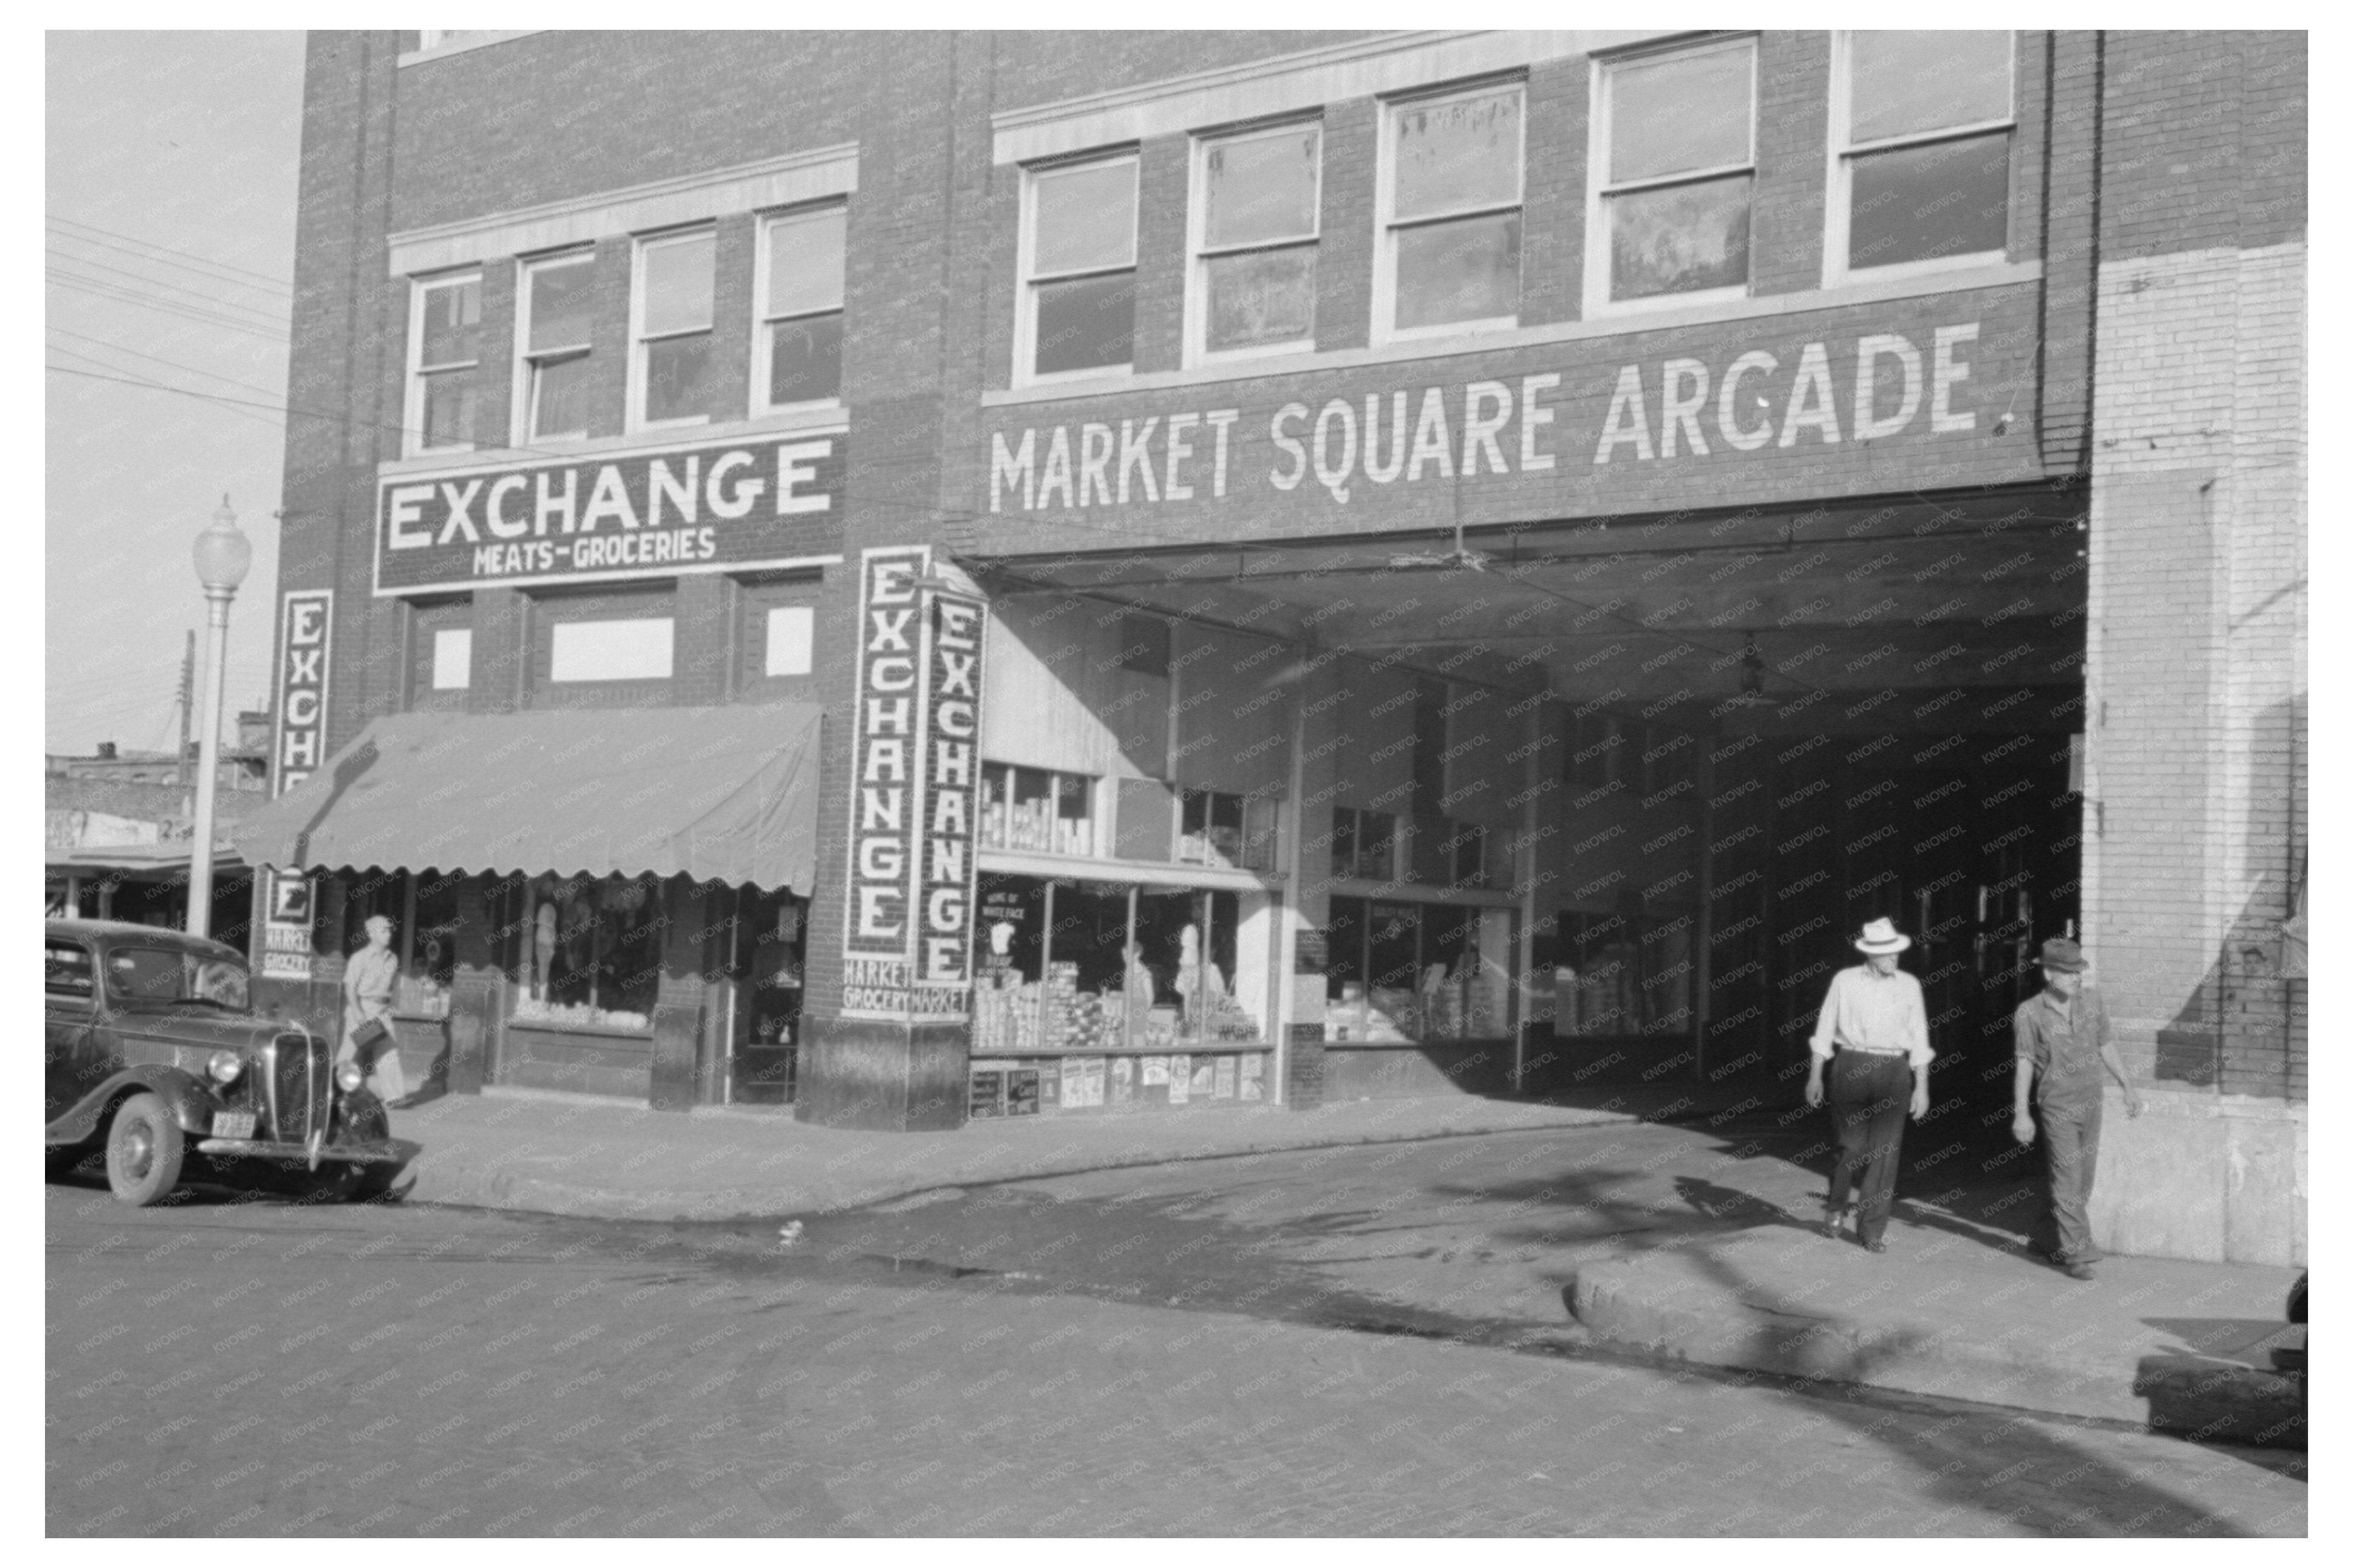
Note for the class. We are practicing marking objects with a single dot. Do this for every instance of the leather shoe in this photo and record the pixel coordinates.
(2076, 1268)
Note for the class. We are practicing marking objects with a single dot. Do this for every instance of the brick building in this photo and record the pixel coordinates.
(1143, 569)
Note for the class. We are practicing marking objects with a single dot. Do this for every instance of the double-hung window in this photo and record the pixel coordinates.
(1920, 128)
(1449, 203)
(1078, 268)
(673, 373)
(1255, 201)
(798, 344)
(445, 351)
(553, 373)
(1672, 175)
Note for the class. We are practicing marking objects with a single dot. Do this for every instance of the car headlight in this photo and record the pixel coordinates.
(225, 1067)
(348, 1077)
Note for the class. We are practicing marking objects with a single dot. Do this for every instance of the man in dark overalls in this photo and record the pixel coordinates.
(2062, 1044)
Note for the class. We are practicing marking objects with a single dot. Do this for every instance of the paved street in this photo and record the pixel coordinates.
(1235, 1346)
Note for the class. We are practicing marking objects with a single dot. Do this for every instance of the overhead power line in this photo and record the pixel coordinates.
(106, 290)
(152, 359)
(195, 296)
(118, 241)
(234, 404)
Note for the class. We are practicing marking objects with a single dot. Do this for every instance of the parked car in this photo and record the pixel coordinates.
(155, 1055)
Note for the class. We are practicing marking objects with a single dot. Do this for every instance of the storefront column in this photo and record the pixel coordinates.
(475, 987)
(1307, 912)
(678, 1002)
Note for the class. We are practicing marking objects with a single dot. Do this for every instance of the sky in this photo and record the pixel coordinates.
(170, 180)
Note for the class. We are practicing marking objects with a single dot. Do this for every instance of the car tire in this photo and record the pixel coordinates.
(374, 1181)
(144, 1151)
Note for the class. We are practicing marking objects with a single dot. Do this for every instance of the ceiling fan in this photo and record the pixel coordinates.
(1457, 559)
(1752, 681)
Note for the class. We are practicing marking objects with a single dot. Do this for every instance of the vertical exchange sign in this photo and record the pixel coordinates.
(306, 619)
(914, 751)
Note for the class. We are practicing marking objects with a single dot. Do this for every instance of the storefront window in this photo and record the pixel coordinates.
(1628, 972)
(1364, 844)
(1036, 810)
(1071, 965)
(431, 945)
(1398, 971)
(768, 957)
(591, 952)
(1212, 832)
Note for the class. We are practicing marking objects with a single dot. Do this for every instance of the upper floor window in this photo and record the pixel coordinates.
(798, 344)
(1920, 128)
(1255, 222)
(556, 343)
(1449, 212)
(673, 373)
(1078, 268)
(445, 351)
(1671, 172)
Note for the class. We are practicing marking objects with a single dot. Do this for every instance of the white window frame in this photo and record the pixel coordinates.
(639, 342)
(763, 350)
(1025, 312)
(1200, 253)
(1839, 207)
(412, 418)
(1385, 329)
(525, 381)
(1598, 186)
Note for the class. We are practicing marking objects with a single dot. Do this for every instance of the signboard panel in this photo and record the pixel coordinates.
(729, 506)
(306, 624)
(285, 923)
(1905, 394)
(915, 772)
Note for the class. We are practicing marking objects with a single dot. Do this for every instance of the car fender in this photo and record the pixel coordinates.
(191, 1100)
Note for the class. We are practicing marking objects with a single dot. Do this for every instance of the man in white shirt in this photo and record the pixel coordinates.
(1877, 1021)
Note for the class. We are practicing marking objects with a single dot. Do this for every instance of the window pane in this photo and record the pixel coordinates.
(1687, 111)
(681, 375)
(804, 358)
(1265, 296)
(560, 305)
(1922, 81)
(1087, 323)
(1260, 188)
(449, 405)
(792, 630)
(805, 261)
(1468, 270)
(1948, 198)
(453, 658)
(559, 394)
(1086, 218)
(678, 285)
(452, 329)
(1463, 153)
(610, 651)
(1675, 241)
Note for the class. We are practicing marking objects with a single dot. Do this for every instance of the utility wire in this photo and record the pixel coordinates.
(119, 241)
(234, 404)
(260, 314)
(152, 358)
(126, 296)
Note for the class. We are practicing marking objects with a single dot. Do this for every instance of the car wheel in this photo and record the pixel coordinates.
(374, 1181)
(145, 1148)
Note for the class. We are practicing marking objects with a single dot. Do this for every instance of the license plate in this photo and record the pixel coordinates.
(233, 1124)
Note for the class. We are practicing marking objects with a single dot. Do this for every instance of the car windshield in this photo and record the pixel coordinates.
(159, 975)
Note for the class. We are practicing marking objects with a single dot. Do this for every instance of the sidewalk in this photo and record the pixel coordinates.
(2184, 1347)
(571, 1154)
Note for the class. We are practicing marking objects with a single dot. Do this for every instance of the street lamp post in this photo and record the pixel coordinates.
(222, 556)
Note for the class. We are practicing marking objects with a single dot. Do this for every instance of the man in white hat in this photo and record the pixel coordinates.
(1877, 1021)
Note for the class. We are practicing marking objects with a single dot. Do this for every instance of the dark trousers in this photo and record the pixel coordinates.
(2071, 1154)
(1868, 1097)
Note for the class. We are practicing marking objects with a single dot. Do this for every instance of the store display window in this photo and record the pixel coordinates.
(1079, 965)
(1364, 844)
(1403, 972)
(588, 952)
(764, 1044)
(1037, 810)
(1625, 972)
(1211, 830)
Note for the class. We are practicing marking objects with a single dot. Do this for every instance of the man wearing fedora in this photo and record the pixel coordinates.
(1877, 1021)
(2061, 1033)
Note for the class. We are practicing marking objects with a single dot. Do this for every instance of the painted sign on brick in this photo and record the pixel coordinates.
(914, 751)
(306, 619)
(1900, 394)
(771, 501)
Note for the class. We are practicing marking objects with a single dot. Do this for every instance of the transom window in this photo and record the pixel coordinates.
(1920, 132)
(556, 339)
(445, 352)
(675, 374)
(1078, 293)
(1256, 201)
(798, 342)
(1449, 212)
(1673, 173)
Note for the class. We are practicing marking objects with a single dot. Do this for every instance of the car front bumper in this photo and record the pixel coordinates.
(391, 1152)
